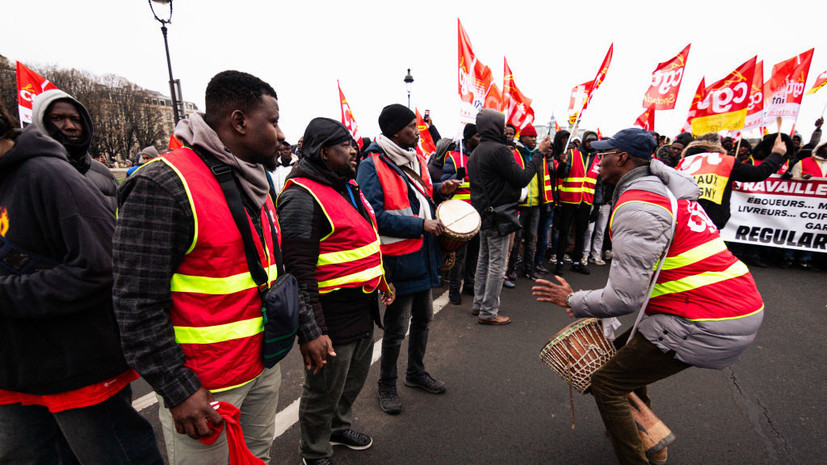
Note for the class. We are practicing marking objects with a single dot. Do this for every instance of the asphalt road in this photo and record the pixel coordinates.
(503, 406)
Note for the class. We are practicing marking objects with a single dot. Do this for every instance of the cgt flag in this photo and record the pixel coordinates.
(647, 119)
(785, 88)
(723, 105)
(426, 144)
(516, 106)
(693, 107)
(29, 84)
(755, 109)
(474, 80)
(666, 82)
(578, 100)
(821, 81)
(347, 117)
(601, 74)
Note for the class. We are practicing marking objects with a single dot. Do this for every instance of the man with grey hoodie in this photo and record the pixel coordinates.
(64, 119)
(703, 309)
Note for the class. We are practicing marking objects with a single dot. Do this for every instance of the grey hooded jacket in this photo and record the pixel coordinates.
(640, 233)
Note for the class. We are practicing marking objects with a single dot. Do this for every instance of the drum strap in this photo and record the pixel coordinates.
(654, 279)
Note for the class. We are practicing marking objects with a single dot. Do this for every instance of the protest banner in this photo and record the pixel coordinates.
(666, 82)
(789, 214)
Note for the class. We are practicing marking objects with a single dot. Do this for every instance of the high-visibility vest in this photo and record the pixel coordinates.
(810, 166)
(784, 167)
(711, 171)
(579, 185)
(700, 279)
(349, 256)
(534, 185)
(396, 202)
(216, 309)
(463, 192)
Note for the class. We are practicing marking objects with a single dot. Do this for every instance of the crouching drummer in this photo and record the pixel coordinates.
(704, 308)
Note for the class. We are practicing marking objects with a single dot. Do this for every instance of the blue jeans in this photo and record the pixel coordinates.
(544, 228)
(417, 308)
(111, 432)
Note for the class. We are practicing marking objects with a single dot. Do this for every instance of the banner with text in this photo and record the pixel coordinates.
(779, 213)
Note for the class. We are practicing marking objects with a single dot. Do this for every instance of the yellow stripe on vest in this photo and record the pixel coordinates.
(332, 258)
(218, 333)
(696, 254)
(216, 286)
(361, 276)
(729, 317)
(699, 280)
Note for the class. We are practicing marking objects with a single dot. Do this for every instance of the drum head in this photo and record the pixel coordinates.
(458, 216)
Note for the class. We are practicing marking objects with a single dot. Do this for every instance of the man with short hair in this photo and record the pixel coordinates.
(189, 310)
(704, 309)
(395, 180)
(284, 165)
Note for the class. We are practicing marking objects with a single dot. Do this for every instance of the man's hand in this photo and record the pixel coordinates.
(389, 296)
(563, 157)
(448, 187)
(192, 416)
(433, 227)
(779, 146)
(546, 291)
(315, 353)
(545, 146)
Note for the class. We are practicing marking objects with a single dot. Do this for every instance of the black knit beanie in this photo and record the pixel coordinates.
(393, 118)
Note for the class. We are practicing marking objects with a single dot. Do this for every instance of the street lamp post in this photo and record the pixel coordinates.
(172, 90)
(408, 82)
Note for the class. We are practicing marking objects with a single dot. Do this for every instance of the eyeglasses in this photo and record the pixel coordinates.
(600, 155)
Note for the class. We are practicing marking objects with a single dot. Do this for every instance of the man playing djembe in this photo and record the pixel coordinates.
(704, 308)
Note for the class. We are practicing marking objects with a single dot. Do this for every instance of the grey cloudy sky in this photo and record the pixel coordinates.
(302, 48)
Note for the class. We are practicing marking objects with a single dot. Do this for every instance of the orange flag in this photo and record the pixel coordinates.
(426, 142)
(516, 106)
(347, 117)
(723, 104)
(647, 119)
(29, 84)
(474, 79)
(666, 82)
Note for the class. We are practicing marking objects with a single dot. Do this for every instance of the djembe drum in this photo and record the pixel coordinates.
(461, 222)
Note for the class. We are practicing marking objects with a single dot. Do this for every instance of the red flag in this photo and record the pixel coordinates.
(426, 142)
(601, 74)
(666, 82)
(786, 86)
(821, 81)
(723, 104)
(494, 98)
(29, 84)
(578, 100)
(693, 107)
(347, 117)
(174, 143)
(474, 79)
(516, 106)
(755, 109)
(556, 127)
(647, 119)
(600, 134)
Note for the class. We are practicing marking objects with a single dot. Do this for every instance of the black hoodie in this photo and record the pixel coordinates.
(496, 178)
(57, 329)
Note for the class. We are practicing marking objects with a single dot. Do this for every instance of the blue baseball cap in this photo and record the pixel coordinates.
(634, 141)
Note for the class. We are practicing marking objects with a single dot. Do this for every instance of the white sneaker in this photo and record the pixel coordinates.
(596, 261)
(566, 258)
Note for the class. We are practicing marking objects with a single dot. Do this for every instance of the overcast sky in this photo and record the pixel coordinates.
(303, 47)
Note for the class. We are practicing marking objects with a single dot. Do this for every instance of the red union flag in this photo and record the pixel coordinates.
(647, 119)
(474, 79)
(821, 81)
(29, 84)
(723, 104)
(494, 98)
(578, 100)
(516, 106)
(601, 74)
(174, 143)
(755, 109)
(426, 142)
(785, 88)
(347, 117)
(693, 107)
(666, 82)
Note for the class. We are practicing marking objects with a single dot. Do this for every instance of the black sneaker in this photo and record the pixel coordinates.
(558, 270)
(580, 268)
(532, 275)
(389, 400)
(455, 298)
(541, 269)
(321, 461)
(468, 290)
(426, 383)
(351, 439)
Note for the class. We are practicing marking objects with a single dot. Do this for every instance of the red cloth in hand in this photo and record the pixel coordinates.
(239, 453)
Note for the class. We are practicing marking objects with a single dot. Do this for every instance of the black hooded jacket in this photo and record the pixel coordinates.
(57, 329)
(345, 315)
(496, 178)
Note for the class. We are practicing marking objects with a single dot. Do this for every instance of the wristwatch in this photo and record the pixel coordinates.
(568, 300)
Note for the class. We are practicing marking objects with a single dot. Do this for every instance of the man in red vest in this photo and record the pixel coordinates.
(331, 246)
(189, 310)
(396, 182)
(703, 310)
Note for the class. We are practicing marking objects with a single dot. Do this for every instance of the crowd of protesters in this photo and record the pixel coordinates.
(167, 288)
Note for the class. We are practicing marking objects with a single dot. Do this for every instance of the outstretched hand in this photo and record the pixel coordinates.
(546, 291)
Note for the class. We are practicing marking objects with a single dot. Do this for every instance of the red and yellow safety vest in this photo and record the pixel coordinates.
(579, 185)
(548, 194)
(782, 170)
(711, 171)
(349, 257)
(700, 279)
(396, 202)
(810, 166)
(463, 192)
(216, 309)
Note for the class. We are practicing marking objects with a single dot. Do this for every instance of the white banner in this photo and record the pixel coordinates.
(779, 213)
